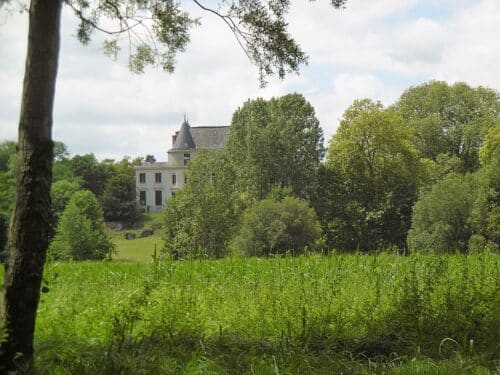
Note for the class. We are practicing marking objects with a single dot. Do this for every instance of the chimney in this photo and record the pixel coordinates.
(174, 138)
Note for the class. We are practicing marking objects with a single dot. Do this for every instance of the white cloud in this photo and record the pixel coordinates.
(371, 49)
(473, 53)
(420, 43)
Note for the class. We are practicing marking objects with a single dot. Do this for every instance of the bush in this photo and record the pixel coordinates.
(80, 234)
(441, 216)
(271, 227)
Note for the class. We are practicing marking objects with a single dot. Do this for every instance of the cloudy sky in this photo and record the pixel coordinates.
(373, 48)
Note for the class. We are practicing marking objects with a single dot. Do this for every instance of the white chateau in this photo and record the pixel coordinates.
(156, 182)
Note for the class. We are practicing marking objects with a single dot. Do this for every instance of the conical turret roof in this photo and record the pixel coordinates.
(184, 139)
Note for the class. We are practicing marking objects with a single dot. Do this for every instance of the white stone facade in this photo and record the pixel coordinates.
(156, 182)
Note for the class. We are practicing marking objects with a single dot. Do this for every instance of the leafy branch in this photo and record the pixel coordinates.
(157, 30)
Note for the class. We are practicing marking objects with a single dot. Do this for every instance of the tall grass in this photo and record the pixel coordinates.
(311, 314)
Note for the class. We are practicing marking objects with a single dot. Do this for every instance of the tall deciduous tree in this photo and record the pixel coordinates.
(379, 169)
(119, 201)
(261, 29)
(450, 119)
(92, 173)
(276, 142)
(485, 216)
(201, 218)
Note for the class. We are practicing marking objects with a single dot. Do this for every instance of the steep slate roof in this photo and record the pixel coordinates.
(184, 139)
(209, 136)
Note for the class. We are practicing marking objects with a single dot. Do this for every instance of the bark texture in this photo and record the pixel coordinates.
(28, 234)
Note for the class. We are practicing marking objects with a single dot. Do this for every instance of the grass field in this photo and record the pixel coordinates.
(305, 315)
(138, 249)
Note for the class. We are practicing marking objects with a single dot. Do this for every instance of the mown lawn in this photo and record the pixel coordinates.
(303, 315)
(138, 249)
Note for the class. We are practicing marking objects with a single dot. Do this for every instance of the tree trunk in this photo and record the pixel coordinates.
(28, 234)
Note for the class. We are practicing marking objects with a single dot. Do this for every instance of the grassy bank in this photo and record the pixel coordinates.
(310, 315)
(138, 249)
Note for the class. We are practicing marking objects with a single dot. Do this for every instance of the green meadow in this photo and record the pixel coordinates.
(138, 249)
(313, 314)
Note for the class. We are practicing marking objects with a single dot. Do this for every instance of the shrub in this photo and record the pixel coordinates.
(80, 234)
(271, 227)
(441, 216)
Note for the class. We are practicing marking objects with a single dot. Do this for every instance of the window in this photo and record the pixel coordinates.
(158, 198)
(142, 178)
(173, 193)
(187, 158)
(174, 179)
(157, 177)
(142, 198)
(185, 179)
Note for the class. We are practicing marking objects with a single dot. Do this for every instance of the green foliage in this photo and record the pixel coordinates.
(485, 217)
(441, 216)
(331, 203)
(60, 193)
(376, 172)
(62, 168)
(275, 142)
(276, 227)
(119, 197)
(80, 233)
(149, 159)
(450, 119)
(350, 314)
(92, 173)
(491, 145)
(202, 217)
(4, 225)
(260, 28)
(7, 149)
(7, 189)
(61, 151)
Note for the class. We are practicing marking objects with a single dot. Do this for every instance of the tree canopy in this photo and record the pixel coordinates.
(450, 119)
(275, 142)
(119, 196)
(379, 170)
(201, 218)
(157, 31)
